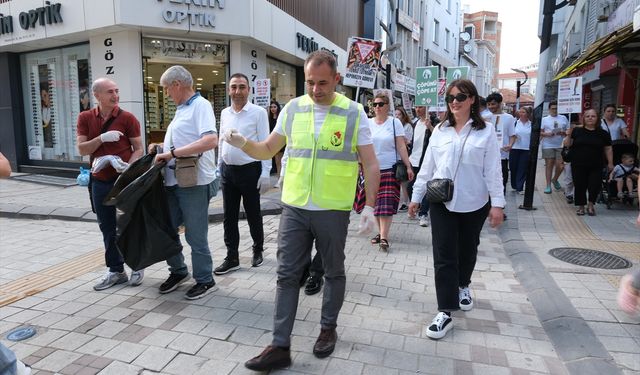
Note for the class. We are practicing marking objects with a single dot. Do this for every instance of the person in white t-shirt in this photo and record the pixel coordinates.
(553, 129)
(404, 118)
(615, 126)
(504, 127)
(389, 150)
(519, 146)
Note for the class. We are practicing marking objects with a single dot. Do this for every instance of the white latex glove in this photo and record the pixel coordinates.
(111, 136)
(367, 221)
(264, 184)
(232, 137)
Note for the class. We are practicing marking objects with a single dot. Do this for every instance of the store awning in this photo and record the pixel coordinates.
(621, 40)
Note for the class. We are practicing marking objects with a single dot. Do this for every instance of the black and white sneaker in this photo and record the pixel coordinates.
(257, 260)
(403, 208)
(200, 290)
(173, 282)
(440, 325)
(227, 266)
(464, 295)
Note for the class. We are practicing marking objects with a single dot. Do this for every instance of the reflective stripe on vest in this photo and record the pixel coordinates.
(325, 169)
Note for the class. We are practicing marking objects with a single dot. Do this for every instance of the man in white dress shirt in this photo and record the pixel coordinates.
(615, 126)
(242, 176)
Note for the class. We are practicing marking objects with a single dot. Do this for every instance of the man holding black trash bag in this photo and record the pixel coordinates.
(109, 130)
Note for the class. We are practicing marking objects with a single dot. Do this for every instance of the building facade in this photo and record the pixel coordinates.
(485, 28)
(50, 63)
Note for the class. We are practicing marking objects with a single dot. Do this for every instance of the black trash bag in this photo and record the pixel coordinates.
(144, 233)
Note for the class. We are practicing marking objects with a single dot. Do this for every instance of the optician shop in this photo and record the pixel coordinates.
(51, 51)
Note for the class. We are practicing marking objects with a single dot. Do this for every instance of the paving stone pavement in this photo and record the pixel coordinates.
(389, 299)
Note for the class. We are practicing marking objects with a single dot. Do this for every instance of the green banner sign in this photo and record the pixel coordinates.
(427, 86)
(457, 72)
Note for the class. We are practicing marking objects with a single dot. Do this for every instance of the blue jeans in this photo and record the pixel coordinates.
(190, 206)
(107, 221)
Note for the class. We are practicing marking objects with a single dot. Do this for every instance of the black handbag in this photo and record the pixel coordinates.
(399, 169)
(440, 190)
(566, 154)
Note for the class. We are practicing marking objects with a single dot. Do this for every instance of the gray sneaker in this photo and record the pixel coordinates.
(136, 278)
(110, 279)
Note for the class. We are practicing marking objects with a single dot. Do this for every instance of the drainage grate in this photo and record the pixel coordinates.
(589, 258)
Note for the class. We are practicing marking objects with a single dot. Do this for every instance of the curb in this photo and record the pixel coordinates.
(575, 342)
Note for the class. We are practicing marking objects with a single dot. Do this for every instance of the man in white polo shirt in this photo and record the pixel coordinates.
(242, 176)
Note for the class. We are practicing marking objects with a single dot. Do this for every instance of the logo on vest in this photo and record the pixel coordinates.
(336, 139)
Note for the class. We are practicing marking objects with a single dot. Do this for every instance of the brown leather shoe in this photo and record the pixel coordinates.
(326, 343)
(271, 358)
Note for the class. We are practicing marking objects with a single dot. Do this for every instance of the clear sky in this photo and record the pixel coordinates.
(520, 44)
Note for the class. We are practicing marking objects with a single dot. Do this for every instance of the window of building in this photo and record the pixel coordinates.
(436, 31)
(206, 61)
(449, 6)
(57, 86)
(410, 7)
(283, 80)
(447, 36)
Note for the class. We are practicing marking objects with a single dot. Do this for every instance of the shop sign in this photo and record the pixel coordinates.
(196, 17)
(46, 15)
(187, 50)
(308, 45)
(405, 20)
(399, 82)
(410, 86)
(415, 32)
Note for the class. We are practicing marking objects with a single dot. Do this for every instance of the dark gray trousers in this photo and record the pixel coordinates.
(298, 229)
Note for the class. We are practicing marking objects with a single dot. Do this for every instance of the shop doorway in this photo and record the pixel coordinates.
(208, 65)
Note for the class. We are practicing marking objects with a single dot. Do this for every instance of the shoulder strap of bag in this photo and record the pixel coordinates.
(395, 147)
(607, 125)
(461, 152)
(425, 143)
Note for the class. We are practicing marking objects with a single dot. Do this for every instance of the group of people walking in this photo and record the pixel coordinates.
(325, 142)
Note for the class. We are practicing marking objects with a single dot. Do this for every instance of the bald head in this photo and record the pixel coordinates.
(106, 93)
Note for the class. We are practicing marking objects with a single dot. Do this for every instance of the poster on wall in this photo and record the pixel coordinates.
(363, 59)
(570, 95)
(262, 95)
(47, 117)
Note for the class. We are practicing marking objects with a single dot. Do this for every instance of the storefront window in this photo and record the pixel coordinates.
(207, 63)
(57, 88)
(283, 80)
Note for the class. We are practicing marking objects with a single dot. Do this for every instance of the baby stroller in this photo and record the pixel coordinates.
(609, 188)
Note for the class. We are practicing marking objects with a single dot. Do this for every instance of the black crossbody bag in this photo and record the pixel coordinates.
(440, 190)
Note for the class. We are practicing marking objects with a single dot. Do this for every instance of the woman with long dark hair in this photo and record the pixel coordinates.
(463, 148)
(590, 146)
(274, 112)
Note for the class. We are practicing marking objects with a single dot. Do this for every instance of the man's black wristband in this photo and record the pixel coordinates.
(173, 154)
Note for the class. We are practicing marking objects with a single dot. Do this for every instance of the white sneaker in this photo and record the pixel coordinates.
(439, 327)
(464, 295)
(424, 221)
(136, 278)
(110, 279)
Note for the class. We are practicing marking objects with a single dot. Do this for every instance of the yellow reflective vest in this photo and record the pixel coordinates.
(326, 169)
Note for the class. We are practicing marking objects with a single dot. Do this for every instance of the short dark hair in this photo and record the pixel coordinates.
(483, 101)
(553, 103)
(494, 97)
(239, 75)
(320, 57)
(610, 105)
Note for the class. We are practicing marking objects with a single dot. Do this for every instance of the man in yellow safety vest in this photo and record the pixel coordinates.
(326, 134)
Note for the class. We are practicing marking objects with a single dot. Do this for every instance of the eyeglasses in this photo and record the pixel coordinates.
(379, 104)
(460, 97)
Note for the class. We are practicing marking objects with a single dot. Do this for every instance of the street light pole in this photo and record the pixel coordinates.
(519, 84)
(548, 9)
